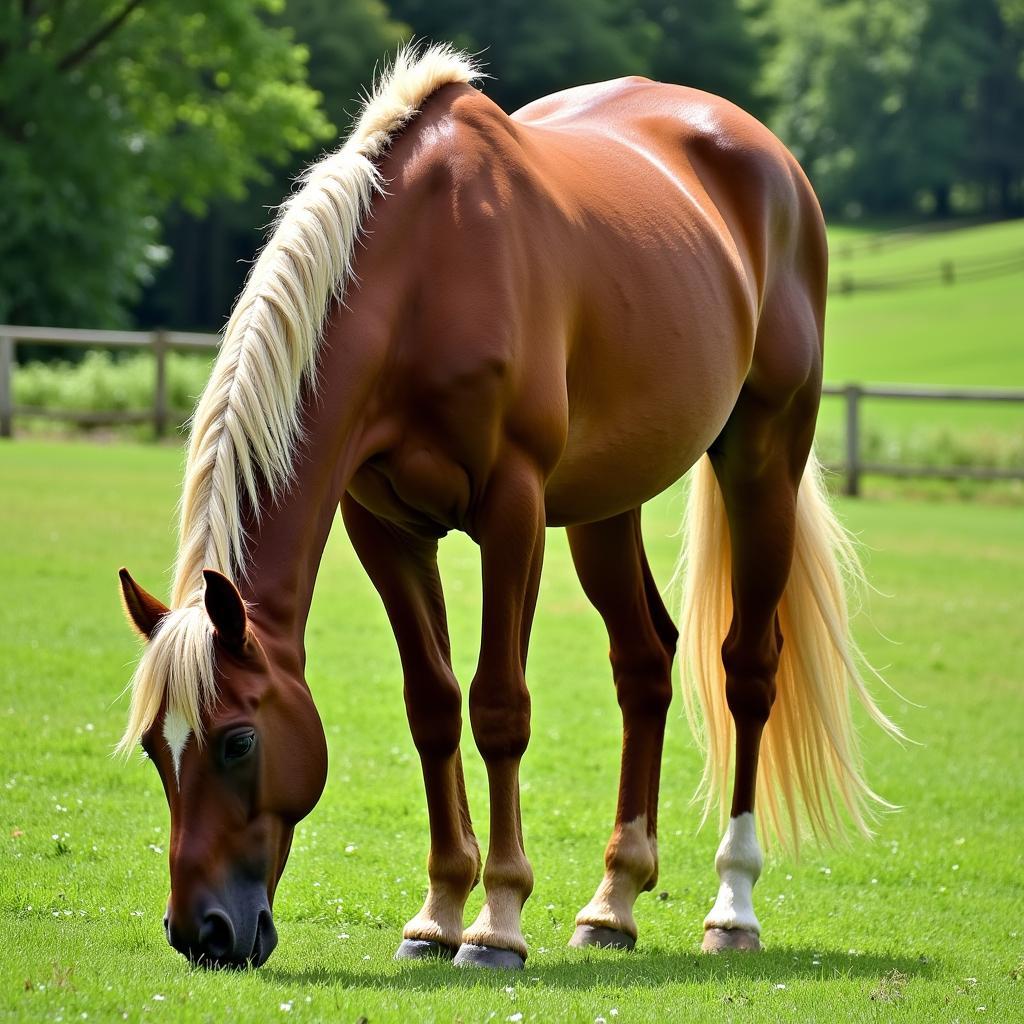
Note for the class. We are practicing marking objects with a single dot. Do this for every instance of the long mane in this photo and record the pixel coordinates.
(247, 421)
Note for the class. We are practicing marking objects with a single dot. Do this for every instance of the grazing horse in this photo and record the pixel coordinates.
(472, 321)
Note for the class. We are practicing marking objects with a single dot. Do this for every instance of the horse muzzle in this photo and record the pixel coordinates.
(225, 933)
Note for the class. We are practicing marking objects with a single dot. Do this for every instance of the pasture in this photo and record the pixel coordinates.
(969, 333)
(925, 923)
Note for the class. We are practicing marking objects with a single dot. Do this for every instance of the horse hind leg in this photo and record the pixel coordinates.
(750, 524)
(612, 567)
(767, 559)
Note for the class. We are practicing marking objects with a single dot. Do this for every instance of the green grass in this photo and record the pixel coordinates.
(967, 334)
(924, 924)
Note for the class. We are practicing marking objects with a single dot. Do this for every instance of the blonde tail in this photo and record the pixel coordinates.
(809, 752)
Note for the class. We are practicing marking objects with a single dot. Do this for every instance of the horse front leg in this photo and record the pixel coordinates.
(403, 568)
(612, 567)
(510, 531)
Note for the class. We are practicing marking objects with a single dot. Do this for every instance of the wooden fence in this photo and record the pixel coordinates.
(157, 342)
(852, 469)
(946, 272)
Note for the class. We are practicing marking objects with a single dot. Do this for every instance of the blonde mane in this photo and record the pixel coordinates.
(246, 425)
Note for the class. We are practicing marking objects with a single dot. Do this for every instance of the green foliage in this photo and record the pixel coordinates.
(101, 382)
(715, 45)
(553, 46)
(212, 251)
(108, 112)
(889, 101)
(144, 143)
(80, 914)
(345, 43)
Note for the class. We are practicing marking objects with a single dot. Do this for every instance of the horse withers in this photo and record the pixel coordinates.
(472, 321)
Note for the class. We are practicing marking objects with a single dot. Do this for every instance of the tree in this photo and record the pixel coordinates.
(211, 251)
(112, 109)
(542, 48)
(889, 102)
(715, 45)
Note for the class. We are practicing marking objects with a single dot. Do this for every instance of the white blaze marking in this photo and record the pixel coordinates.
(738, 863)
(176, 733)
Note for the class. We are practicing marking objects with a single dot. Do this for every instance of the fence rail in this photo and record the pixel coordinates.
(157, 342)
(947, 272)
(852, 469)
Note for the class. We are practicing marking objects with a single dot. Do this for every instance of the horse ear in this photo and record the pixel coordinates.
(225, 607)
(144, 611)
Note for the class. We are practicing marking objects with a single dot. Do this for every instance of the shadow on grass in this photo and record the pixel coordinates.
(648, 969)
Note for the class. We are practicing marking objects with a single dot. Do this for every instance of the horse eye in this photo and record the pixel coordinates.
(238, 744)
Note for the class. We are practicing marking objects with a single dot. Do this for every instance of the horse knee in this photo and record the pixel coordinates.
(434, 706)
(500, 716)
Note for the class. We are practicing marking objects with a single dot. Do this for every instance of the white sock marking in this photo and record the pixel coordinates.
(176, 733)
(738, 863)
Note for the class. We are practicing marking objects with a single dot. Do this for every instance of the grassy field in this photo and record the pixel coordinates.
(968, 333)
(924, 924)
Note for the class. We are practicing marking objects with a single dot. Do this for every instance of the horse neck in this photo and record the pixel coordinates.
(285, 543)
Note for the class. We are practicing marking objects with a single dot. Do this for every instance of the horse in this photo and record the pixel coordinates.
(466, 320)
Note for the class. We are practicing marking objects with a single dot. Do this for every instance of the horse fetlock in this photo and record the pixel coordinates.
(633, 852)
(497, 926)
(456, 871)
(439, 921)
(738, 862)
(511, 875)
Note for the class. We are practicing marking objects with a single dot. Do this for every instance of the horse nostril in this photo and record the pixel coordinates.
(167, 927)
(217, 935)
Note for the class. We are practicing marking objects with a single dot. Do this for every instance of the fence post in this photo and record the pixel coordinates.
(6, 386)
(852, 393)
(160, 386)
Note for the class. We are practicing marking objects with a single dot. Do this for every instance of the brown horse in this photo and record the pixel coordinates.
(471, 321)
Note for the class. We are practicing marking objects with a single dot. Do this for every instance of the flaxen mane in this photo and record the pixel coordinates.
(246, 424)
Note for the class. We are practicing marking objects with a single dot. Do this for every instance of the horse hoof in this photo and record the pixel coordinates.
(722, 940)
(423, 949)
(604, 938)
(470, 955)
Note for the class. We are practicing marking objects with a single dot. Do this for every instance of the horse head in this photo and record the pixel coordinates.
(242, 758)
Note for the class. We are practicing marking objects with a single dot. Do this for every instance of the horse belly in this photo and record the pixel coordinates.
(642, 410)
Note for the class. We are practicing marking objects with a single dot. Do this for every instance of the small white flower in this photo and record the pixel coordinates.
(514, 1016)
(780, 985)
(286, 1007)
(158, 998)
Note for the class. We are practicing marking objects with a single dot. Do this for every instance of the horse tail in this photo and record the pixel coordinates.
(810, 767)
